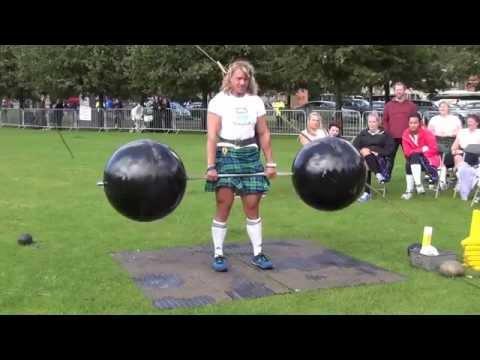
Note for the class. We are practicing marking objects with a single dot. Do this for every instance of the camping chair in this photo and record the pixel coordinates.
(445, 148)
(374, 185)
(473, 149)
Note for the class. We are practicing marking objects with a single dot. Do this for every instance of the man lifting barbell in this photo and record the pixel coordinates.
(236, 119)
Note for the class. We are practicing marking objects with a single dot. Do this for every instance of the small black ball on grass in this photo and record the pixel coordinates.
(25, 239)
(451, 268)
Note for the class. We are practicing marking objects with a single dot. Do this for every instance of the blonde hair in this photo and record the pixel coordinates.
(247, 69)
(316, 115)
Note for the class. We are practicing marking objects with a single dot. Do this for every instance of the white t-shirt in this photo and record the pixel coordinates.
(238, 114)
(467, 137)
(445, 125)
(320, 133)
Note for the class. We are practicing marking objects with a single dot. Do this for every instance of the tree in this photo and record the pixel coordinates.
(62, 71)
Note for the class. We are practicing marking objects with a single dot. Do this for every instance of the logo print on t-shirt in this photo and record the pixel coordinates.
(241, 116)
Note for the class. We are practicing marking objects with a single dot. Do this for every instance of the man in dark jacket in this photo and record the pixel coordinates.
(396, 114)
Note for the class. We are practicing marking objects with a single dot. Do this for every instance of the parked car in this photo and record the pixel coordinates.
(425, 105)
(378, 105)
(317, 105)
(180, 110)
(356, 105)
(463, 111)
(195, 105)
(473, 106)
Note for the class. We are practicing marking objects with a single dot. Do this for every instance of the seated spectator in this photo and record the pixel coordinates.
(314, 130)
(376, 147)
(466, 163)
(444, 124)
(421, 153)
(445, 127)
(334, 130)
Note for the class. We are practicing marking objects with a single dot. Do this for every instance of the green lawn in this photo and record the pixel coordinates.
(70, 271)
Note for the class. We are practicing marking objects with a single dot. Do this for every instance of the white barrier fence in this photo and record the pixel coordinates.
(168, 120)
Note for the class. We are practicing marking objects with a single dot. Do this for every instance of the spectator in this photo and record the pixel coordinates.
(466, 163)
(165, 113)
(334, 130)
(148, 113)
(420, 149)
(137, 118)
(58, 113)
(99, 105)
(376, 147)
(445, 127)
(444, 124)
(278, 106)
(118, 116)
(43, 111)
(314, 129)
(156, 124)
(109, 103)
(396, 116)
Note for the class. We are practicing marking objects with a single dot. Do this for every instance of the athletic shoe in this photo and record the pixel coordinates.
(364, 198)
(420, 190)
(262, 262)
(220, 264)
(407, 196)
(380, 178)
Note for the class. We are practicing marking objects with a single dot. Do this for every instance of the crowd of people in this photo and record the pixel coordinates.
(153, 113)
(432, 150)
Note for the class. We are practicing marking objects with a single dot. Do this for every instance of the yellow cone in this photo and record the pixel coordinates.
(471, 244)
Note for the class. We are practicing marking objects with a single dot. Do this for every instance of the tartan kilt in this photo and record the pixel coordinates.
(243, 160)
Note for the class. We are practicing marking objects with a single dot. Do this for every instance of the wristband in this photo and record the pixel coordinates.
(271, 165)
(211, 167)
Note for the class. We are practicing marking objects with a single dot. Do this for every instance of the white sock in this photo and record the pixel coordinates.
(254, 230)
(417, 174)
(410, 183)
(219, 231)
(443, 175)
(380, 177)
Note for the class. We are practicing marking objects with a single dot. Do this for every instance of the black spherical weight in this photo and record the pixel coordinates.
(144, 180)
(329, 174)
(25, 239)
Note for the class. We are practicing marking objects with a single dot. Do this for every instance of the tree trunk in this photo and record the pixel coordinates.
(338, 105)
(205, 105)
(386, 89)
(370, 91)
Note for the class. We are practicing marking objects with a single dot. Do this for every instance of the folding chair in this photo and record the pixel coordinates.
(473, 149)
(381, 188)
(445, 148)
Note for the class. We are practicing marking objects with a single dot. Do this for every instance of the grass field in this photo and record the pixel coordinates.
(71, 271)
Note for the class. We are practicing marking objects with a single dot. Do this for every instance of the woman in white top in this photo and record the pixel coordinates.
(445, 127)
(466, 173)
(237, 127)
(445, 124)
(314, 129)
